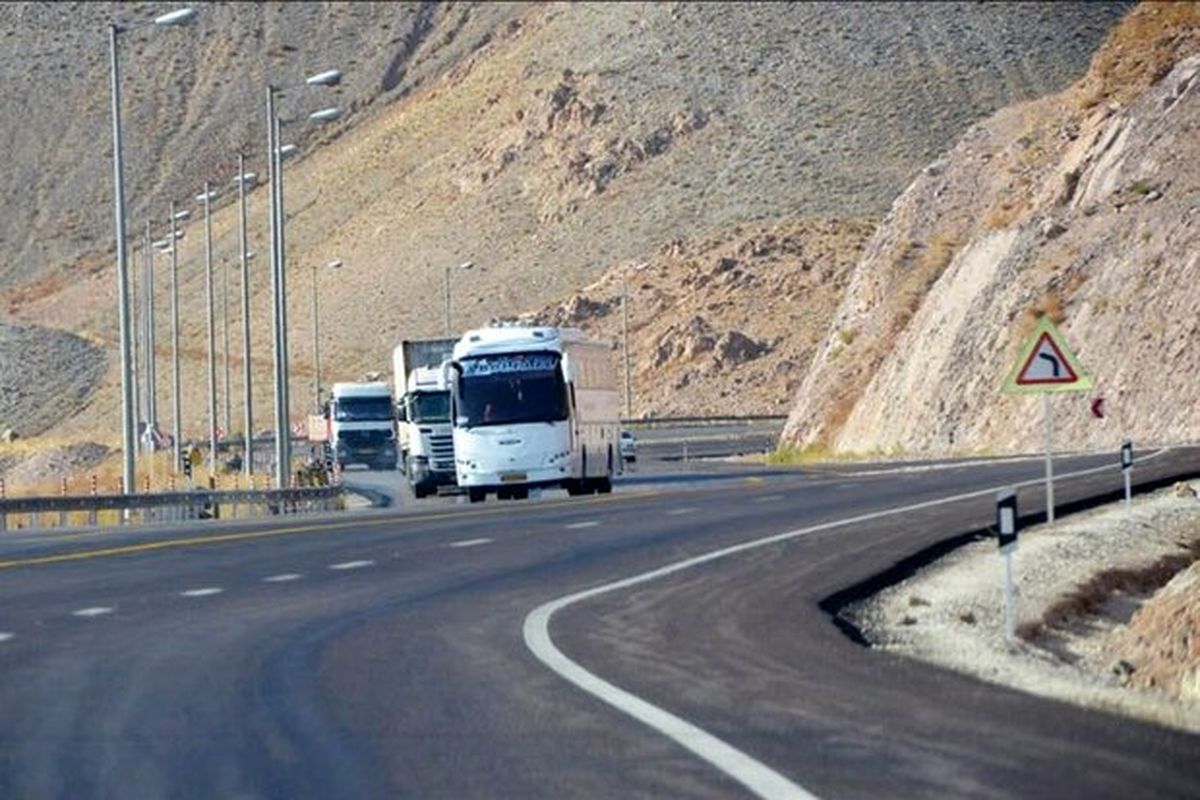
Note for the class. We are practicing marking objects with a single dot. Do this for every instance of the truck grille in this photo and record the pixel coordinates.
(441, 452)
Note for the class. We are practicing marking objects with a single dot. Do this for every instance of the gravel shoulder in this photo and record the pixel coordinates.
(1084, 634)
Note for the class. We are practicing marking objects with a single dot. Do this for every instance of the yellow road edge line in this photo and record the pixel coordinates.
(223, 538)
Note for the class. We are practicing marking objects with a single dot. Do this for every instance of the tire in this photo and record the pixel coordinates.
(603, 486)
(419, 491)
(476, 495)
(520, 494)
(575, 488)
(503, 494)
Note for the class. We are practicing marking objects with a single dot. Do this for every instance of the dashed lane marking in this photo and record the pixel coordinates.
(591, 523)
(470, 542)
(4, 637)
(94, 611)
(675, 512)
(771, 498)
(352, 565)
(207, 591)
(284, 578)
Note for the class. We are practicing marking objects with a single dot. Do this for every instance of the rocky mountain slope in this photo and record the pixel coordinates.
(1084, 206)
(546, 143)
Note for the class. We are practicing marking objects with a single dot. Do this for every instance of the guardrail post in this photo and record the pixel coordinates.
(3, 516)
(62, 515)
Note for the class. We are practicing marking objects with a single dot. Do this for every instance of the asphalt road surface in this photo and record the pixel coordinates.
(411, 652)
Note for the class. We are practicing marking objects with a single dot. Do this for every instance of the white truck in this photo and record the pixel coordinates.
(423, 413)
(533, 408)
(362, 427)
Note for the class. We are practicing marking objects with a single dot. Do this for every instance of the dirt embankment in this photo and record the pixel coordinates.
(1096, 624)
(1084, 206)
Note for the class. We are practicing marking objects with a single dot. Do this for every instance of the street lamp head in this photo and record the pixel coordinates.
(184, 214)
(326, 115)
(331, 77)
(162, 244)
(178, 234)
(249, 178)
(335, 264)
(466, 265)
(212, 195)
(183, 16)
(288, 150)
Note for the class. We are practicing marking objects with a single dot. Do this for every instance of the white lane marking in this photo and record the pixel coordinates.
(94, 611)
(768, 498)
(470, 542)
(675, 512)
(287, 576)
(754, 775)
(4, 637)
(205, 592)
(574, 526)
(352, 565)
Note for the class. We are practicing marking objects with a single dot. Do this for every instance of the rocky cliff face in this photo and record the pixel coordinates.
(1084, 206)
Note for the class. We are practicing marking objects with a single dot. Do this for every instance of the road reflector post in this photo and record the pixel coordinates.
(1127, 472)
(62, 492)
(1006, 529)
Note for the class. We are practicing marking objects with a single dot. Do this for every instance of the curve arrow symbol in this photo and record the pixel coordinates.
(1098, 408)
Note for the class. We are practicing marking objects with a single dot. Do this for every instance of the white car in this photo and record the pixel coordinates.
(628, 447)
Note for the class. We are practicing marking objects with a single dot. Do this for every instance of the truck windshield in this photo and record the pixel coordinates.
(511, 388)
(429, 407)
(362, 409)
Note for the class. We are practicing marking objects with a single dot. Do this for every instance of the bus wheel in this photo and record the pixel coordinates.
(476, 495)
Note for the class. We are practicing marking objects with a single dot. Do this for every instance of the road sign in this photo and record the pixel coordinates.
(1047, 364)
(299, 428)
(220, 434)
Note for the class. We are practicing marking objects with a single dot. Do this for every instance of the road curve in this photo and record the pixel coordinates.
(384, 656)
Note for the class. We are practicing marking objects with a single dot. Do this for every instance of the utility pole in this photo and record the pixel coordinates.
(127, 422)
(212, 333)
(625, 343)
(176, 404)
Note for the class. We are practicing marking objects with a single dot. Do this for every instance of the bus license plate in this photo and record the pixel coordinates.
(512, 477)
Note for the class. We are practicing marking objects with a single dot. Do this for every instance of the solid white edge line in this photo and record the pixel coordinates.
(470, 543)
(574, 526)
(287, 576)
(754, 775)
(94, 611)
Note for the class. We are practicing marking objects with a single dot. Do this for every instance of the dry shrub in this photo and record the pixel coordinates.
(1141, 50)
(1089, 597)
(1004, 214)
(922, 272)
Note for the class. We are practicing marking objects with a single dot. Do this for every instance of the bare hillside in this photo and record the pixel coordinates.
(545, 143)
(1084, 206)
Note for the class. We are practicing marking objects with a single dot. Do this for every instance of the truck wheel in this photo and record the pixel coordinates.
(603, 486)
(520, 494)
(419, 491)
(574, 487)
(476, 495)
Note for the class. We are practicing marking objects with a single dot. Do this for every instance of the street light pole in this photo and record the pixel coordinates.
(248, 460)
(625, 343)
(151, 344)
(227, 386)
(212, 336)
(281, 420)
(127, 432)
(285, 366)
(465, 265)
(176, 417)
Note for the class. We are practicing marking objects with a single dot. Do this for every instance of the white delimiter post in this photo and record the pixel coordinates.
(212, 333)
(1049, 461)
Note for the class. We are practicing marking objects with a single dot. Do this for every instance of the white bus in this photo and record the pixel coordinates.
(534, 407)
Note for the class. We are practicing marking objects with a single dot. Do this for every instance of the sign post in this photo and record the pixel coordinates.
(1127, 471)
(1006, 528)
(1047, 365)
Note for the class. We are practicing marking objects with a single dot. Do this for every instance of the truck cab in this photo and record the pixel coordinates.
(362, 425)
(426, 440)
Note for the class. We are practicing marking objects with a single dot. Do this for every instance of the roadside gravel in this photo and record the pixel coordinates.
(951, 613)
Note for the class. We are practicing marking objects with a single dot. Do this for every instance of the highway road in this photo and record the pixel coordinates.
(443, 650)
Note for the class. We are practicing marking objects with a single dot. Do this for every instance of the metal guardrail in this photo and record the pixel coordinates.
(193, 504)
(715, 420)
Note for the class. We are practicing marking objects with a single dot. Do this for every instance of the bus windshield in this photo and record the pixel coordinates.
(511, 388)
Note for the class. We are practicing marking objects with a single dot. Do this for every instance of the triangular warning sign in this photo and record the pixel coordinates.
(1046, 364)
